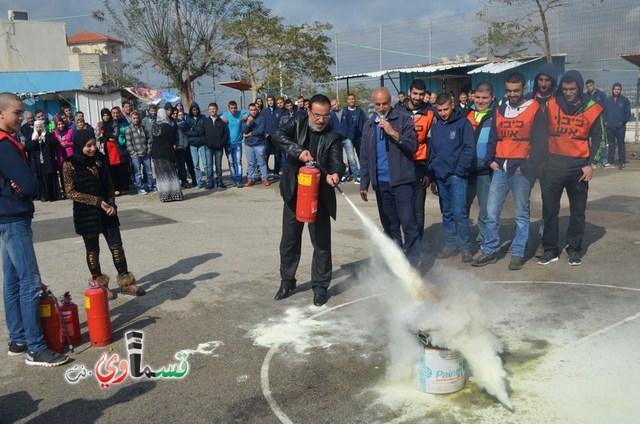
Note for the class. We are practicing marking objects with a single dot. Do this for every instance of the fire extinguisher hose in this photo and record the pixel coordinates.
(324, 171)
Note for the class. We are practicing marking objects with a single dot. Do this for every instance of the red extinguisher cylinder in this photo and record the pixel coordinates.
(71, 319)
(98, 318)
(50, 321)
(308, 187)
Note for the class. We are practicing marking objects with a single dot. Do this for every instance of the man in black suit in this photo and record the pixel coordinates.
(305, 138)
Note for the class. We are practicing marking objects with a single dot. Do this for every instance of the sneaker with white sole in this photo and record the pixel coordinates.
(574, 258)
(46, 358)
(17, 349)
(547, 258)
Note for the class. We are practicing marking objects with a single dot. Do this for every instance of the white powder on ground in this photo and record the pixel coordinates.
(451, 313)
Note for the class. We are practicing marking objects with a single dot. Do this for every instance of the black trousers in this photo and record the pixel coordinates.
(114, 241)
(554, 182)
(291, 247)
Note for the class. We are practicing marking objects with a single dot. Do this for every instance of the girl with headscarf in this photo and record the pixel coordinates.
(88, 184)
(42, 154)
(164, 158)
(64, 137)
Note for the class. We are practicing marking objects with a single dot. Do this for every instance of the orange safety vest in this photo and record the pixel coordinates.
(422, 124)
(514, 134)
(569, 134)
(471, 117)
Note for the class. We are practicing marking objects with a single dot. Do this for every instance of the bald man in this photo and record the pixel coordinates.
(389, 140)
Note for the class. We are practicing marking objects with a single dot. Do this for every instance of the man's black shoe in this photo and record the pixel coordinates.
(466, 256)
(484, 259)
(320, 299)
(516, 263)
(284, 292)
(447, 252)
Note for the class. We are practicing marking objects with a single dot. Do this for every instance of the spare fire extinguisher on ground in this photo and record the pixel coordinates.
(308, 187)
(71, 319)
(98, 318)
(50, 320)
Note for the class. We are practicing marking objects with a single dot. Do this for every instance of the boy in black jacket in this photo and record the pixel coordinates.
(216, 136)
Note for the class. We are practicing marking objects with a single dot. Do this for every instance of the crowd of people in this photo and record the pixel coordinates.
(477, 147)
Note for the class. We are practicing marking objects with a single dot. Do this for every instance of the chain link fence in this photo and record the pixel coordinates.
(592, 33)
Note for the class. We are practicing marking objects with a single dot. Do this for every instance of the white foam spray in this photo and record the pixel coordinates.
(451, 313)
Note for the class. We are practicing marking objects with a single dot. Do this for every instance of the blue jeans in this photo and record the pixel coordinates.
(145, 162)
(255, 158)
(202, 154)
(478, 186)
(21, 285)
(351, 158)
(453, 205)
(520, 188)
(234, 156)
(216, 152)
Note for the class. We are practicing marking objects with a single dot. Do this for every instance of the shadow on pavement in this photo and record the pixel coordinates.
(90, 410)
(165, 288)
(16, 406)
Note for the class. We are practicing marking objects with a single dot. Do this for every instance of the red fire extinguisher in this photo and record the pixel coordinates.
(70, 317)
(98, 319)
(308, 186)
(50, 321)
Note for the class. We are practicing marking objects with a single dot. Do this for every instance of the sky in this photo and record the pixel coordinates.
(345, 16)
(357, 18)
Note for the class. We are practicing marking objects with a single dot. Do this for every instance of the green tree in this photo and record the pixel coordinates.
(267, 52)
(181, 39)
(510, 37)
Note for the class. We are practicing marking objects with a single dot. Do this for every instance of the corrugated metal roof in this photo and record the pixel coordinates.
(424, 69)
(499, 67)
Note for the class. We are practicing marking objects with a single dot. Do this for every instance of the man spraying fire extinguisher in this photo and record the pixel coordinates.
(307, 138)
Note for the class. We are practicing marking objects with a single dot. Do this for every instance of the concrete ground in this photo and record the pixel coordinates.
(210, 268)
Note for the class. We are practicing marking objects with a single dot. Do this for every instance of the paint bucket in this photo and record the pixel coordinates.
(440, 370)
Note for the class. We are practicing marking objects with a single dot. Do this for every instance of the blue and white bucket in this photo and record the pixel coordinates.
(439, 370)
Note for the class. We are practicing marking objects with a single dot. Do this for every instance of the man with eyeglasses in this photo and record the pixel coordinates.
(389, 141)
(308, 137)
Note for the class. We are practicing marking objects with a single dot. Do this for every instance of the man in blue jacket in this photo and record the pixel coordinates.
(617, 113)
(342, 123)
(389, 141)
(450, 158)
(18, 188)
(358, 119)
(253, 131)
